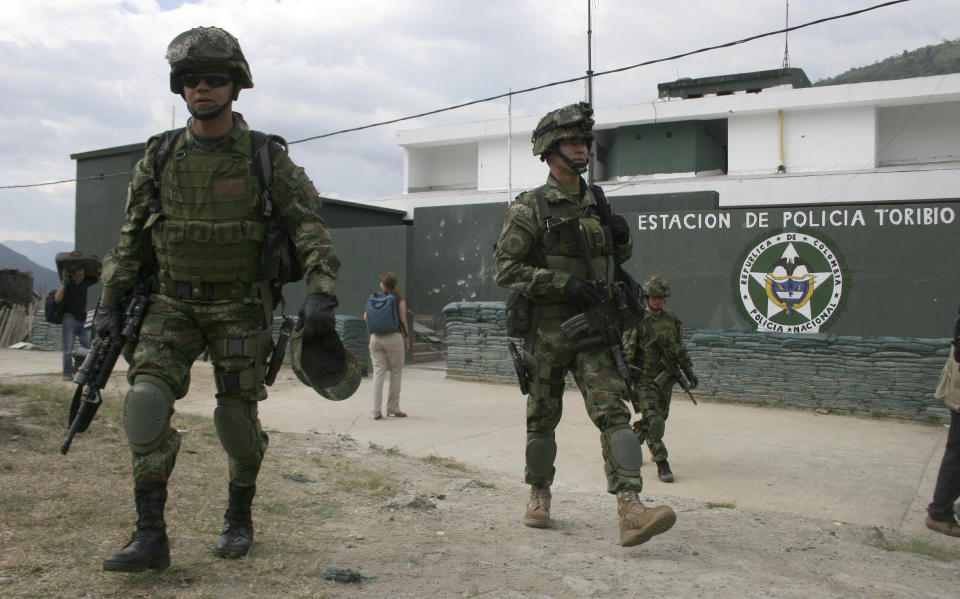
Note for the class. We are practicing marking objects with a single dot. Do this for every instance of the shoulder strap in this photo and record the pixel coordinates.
(603, 207)
(263, 167)
(167, 144)
(545, 214)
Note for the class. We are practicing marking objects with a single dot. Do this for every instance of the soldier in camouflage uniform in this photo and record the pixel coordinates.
(535, 261)
(655, 398)
(203, 228)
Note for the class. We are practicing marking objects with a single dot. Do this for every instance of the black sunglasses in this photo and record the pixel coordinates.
(212, 79)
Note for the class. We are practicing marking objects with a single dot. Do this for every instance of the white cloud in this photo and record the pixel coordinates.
(91, 74)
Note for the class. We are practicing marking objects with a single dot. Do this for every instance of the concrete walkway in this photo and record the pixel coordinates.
(841, 468)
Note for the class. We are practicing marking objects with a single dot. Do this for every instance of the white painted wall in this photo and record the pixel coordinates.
(527, 170)
(441, 167)
(919, 133)
(833, 139)
(752, 144)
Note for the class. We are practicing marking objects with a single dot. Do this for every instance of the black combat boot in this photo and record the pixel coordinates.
(663, 471)
(237, 535)
(148, 547)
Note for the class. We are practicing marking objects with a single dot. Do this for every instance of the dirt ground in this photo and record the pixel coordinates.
(411, 527)
(451, 534)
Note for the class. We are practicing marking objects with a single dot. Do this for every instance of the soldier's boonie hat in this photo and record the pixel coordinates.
(572, 121)
(206, 46)
(325, 365)
(656, 286)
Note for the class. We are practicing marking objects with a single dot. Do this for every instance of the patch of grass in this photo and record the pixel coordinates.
(712, 505)
(347, 477)
(62, 514)
(386, 450)
(915, 546)
(445, 462)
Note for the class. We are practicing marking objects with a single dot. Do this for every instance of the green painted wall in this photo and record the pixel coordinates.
(898, 276)
(453, 255)
(673, 147)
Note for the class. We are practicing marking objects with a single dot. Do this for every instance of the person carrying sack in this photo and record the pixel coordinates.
(386, 316)
(942, 511)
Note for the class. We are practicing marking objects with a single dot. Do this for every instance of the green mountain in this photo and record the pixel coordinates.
(44, 279)
(940, 59)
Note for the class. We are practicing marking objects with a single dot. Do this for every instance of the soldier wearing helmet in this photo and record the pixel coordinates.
(644, 355)
(558, 245)
(205, 207)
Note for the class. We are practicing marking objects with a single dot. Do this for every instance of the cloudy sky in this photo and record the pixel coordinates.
(81, 75)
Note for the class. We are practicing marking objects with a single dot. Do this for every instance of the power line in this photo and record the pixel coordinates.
(534, 88)
(609, 72)
(100, 176)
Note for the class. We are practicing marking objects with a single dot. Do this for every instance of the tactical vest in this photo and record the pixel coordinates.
(560, 253)
(213, 225)
(666, 328)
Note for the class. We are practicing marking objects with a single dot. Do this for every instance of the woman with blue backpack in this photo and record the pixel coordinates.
(386, 316)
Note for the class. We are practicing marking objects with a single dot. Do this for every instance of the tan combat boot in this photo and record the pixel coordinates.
(538, 508)
(638, 524)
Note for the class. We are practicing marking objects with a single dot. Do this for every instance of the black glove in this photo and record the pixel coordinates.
(317, 315)
(106, 322)
(620, 228)
(694, 381)
(581, 291)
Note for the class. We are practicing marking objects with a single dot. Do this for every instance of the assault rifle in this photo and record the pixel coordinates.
(608, 319)
(672, 372)
(93, 374)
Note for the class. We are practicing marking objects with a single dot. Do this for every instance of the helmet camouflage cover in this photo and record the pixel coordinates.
(206, 46)
(656, 286)
(571, 121)
(325, 365)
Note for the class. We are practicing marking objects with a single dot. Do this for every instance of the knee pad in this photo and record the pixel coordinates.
(656, 427)
(624, 449)
(541, 452)
(238, 428)
(146, 414)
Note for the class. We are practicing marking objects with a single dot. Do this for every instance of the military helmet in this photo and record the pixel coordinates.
(656, 286)
(572, 121)
(206, 46)
(325, 365)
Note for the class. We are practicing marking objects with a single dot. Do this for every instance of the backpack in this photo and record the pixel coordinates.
(52, 310)
(382, 313)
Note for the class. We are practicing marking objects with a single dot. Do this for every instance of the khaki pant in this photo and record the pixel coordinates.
(386, 353)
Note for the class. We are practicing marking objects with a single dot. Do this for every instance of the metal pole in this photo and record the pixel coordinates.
(590, 81)
(510, 146)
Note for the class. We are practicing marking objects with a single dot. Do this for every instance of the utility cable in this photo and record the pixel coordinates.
(537, 87)
(609, 72)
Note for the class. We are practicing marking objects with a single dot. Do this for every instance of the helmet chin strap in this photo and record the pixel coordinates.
(210, 113)
(578, 167)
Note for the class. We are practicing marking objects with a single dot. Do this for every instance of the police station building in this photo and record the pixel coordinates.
(808, 233)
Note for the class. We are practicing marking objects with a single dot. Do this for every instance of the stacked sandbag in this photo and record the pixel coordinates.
(46, 335)
(476, 337)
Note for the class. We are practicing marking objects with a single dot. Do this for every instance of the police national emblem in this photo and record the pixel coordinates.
(791, 283)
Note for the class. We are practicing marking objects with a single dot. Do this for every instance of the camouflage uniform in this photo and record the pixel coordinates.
(209, 295)
(654, 398)
(538, 265)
